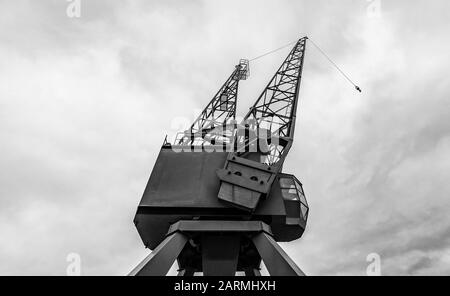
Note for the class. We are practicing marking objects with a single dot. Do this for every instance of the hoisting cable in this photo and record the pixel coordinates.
(320, 50)
(272, 51)
(334, 64)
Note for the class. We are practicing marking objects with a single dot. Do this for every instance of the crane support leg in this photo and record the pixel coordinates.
(252, 272)
(161, 259)
(186, 272)
(276, 260)
(218, 248)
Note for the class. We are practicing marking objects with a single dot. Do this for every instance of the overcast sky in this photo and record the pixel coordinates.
(85, 104)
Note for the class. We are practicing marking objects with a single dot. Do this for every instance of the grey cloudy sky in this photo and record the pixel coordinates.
(86, 102)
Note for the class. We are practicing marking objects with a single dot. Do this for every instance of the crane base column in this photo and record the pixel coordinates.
(218, 248)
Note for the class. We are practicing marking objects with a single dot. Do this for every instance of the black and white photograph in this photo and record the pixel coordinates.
(212, 139)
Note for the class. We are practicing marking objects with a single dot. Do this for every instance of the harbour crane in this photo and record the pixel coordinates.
(217, 200)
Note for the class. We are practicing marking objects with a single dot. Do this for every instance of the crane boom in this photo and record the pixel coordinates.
(275, 109)
(218, 112)
(265, 136)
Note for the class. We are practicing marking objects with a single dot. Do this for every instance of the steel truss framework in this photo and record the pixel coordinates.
(219, 112)
(275, 110)
(250, 171)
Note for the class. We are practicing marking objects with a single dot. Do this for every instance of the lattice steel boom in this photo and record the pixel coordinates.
(276, 107)
(218, 113)
(264, 137)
